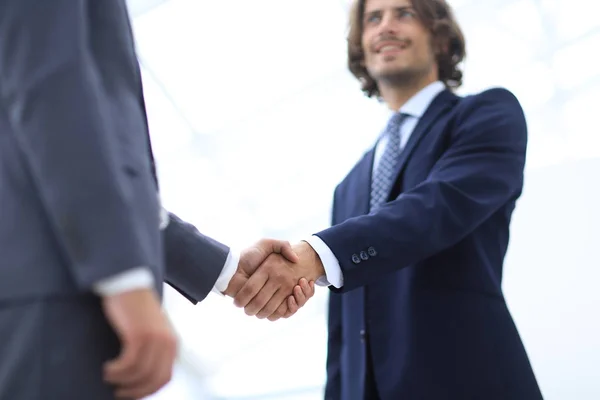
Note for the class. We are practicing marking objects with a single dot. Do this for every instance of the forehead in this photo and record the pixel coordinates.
(375, 5)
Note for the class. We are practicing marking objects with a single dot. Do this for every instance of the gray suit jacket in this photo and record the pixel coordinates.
(78, 191)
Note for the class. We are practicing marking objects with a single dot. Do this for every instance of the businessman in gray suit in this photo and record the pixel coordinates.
(82, 258)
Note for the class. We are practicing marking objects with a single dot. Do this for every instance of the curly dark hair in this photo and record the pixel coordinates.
(447, 38)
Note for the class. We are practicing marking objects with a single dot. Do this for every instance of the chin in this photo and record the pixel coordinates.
(396, 76)
(390, 70)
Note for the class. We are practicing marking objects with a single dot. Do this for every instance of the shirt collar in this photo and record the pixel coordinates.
(417, 104)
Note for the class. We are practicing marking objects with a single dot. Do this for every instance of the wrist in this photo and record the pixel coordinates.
(309, 257)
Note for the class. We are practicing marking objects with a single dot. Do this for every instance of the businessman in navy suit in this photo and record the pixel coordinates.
(420, 225)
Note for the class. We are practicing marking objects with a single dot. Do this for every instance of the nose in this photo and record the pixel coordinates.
(388, 23)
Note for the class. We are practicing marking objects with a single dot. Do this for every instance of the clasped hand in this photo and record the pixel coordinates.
(275, 279)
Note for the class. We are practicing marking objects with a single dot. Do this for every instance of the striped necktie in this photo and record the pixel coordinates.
(383, 178)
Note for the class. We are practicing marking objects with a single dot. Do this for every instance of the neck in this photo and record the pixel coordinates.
(396, 95)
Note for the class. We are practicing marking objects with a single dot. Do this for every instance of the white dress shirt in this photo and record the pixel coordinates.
(414, 108)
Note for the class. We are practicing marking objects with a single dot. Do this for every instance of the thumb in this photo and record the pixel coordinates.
(284, 248)
(124, 361)
(254, 256)
(251, 259)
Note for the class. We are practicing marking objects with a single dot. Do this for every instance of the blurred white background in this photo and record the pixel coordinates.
(255, 119)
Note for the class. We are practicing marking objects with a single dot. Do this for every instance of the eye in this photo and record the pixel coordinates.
(406, 13)
(373, 18)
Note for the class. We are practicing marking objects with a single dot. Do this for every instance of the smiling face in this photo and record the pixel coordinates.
(396, 45)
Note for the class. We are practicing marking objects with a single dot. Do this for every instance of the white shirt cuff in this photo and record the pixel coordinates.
(133, 279)
(164, 219)
(164, 214)
(333, 271)
(229, 269)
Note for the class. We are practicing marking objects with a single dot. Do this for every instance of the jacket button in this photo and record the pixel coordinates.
(372, 251)
(355, 259)
(364, 255)
(363, 335)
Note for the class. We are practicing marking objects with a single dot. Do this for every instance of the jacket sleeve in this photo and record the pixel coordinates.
(480, 171)
(193, 261)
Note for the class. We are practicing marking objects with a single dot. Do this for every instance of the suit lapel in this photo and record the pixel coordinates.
(364, 182)
(358, 187)
(440, 103)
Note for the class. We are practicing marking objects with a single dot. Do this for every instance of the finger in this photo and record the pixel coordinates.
(235, 284)
(139, 379)
(156, 373)
(302, 293)
(118, 369)
(292, 307)
(139, 372)
(281, 311)
(263, 298)
(308, 288)
(157, 380)
(251, 288)
(300, 296)
(273, 304)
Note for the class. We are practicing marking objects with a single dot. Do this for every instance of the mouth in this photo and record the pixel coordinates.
(390, 48)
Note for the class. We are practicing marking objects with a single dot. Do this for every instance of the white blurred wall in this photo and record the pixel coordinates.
(239, 90)
(552, 276)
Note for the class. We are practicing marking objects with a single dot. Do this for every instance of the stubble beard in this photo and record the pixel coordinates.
(403, 78)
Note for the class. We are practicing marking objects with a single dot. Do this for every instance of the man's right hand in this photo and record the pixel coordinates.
(253, 257)
(148, 344)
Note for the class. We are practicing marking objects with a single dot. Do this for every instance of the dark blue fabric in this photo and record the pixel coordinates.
(428, 297)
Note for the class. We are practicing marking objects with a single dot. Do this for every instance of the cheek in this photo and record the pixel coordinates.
(365, 47)
(423, 51)
(369, 57)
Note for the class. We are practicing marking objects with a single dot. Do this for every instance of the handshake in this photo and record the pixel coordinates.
(274, 279)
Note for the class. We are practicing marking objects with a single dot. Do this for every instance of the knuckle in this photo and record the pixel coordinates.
(160, 379)
(265, 242)
(282, 276)
(242, 297)
(244, 292)
(171, 342)
(277, 275)
(269, 310)
(166, 377)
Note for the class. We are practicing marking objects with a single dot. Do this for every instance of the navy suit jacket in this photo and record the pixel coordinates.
(422, 275)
